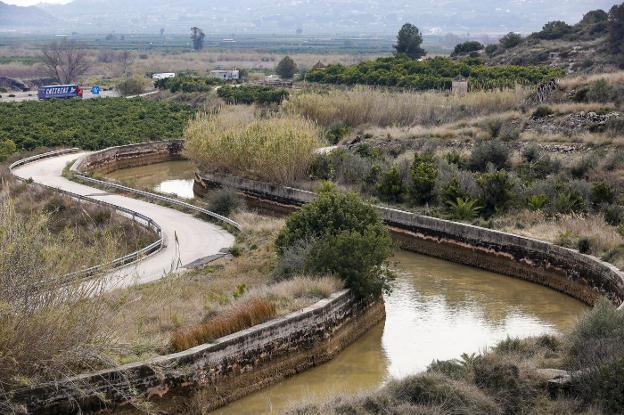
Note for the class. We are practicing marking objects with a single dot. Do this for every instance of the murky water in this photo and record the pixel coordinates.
(171, 177)
(437, 310)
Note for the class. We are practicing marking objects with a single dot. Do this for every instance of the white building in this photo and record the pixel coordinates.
(226, 75)
(163, 75)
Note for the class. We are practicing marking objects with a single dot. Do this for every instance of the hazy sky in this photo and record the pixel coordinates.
(33, 2)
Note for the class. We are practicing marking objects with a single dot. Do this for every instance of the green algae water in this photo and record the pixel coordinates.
(437, 310)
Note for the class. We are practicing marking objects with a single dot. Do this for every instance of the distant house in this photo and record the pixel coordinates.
(226, 75)
(163, 75)
(460, 85)
(319, 65)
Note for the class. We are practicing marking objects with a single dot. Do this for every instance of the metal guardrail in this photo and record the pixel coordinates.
(118, 262)
(153, 196)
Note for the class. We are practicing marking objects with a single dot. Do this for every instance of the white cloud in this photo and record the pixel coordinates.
(34, 2)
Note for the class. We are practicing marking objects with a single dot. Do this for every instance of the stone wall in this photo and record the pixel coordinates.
(581, 276)
(228, 369)
(132, 155)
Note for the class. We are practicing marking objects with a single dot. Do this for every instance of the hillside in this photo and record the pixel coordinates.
(16, 16)
(582, 47)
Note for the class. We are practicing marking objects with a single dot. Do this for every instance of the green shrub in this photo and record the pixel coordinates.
(252, 94)
(542, 111)
(602, 192)
(467, 47)
(347, 239)
(424, 172)
(537, 202)
(602, 387)
(510, 40)
(464, 209)
(613, 214)
(131, 85)
(336, 132)
(584, 246)
(568, 202)
(489, 152)
(7, 147)
(496, 191)
(224, 202)
(185, 83)
(390, 187)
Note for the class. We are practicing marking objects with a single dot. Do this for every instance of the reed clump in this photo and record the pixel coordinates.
(277, 148)
(240, 316)
(383, 108)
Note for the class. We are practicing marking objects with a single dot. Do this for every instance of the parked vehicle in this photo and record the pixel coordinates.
(163, 75)
(59, 92)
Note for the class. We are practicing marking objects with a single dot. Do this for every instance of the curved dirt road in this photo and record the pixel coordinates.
(187, 238)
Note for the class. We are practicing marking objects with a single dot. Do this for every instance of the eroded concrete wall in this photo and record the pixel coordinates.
(581, 276)
(132, 155)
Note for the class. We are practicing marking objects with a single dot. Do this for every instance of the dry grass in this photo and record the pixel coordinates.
(577, 81)
(144, 317)
(240, 316)
(46, 332)
(362, 105)
(565, 230)
(276, 148)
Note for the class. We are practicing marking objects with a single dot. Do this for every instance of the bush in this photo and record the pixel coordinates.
(390, 187)
(278, 148)
(434, 389)
(497, 192)
(490, 50)
(252, 94)
(464, 209)
(224, 202)
(555, 30)
(613, 215)
(132, 85)
(424, 172)
(184, 83)
(467, 47)
(347, 239)
(602, 192)
(584, 246)
(490, 152)
(602, 387)
(7, 147)
(511, 40)
(542, 111)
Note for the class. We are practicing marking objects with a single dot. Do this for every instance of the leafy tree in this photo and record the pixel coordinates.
(490, 50)
(594, 16)
(345, 237)
(616, 32)
(467, 47)
(511, 40)
(65, 61)
(409, 41)
(424, 174)
(197, 37)
(286, 68)
(555, 30)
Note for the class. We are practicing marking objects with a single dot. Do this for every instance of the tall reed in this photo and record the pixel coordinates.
(366, 105)
(277, 148)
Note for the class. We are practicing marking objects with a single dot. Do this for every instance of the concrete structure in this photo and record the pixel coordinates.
(187, 239)
(578, 275)
(163, 75)
(226, 75)
(460, 85)
(230, 368)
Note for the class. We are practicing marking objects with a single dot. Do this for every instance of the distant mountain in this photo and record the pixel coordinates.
(318, 16)
(16, 16)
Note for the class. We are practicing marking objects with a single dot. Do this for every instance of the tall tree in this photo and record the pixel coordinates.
(197, 36)
(408, 43)
(286, 68)
(616, 33)
(65, 61)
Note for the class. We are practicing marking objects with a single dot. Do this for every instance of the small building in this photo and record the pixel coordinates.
(226, 75)
(163, 75)
(460, 85)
